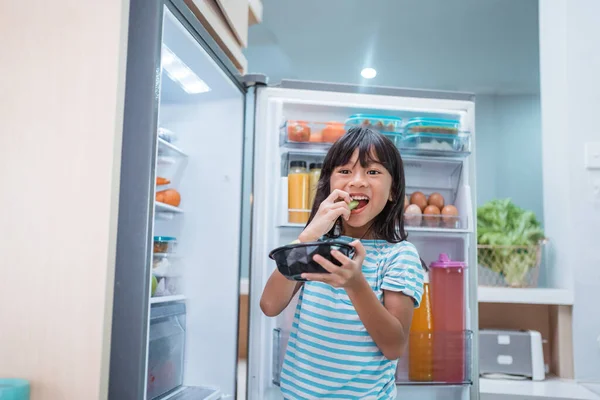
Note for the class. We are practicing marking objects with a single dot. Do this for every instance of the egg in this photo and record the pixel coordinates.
(436, 199)
(412, 215)
(449, 216)
(431, 215)
(406, 202)
(419, 199)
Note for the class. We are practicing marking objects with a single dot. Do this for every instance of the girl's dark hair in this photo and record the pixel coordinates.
(389, 224)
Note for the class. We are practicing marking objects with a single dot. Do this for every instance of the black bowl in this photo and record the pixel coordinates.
(295, 259)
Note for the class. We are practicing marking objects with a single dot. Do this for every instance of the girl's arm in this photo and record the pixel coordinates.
(277, 294)
(387, 323)
(279, 291)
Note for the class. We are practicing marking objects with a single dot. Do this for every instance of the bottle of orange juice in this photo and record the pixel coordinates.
(298, 192)
(420, 355)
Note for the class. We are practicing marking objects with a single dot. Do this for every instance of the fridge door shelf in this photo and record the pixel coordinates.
(166, 208)
(166, 149)
(436, 359)
(167, 299)
(193, 393)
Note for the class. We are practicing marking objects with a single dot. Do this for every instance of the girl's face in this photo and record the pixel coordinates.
(370, 185)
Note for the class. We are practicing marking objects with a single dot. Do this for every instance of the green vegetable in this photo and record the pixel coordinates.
(502, 223)
(353, 204)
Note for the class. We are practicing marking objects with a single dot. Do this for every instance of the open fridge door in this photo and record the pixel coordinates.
(293, 124)
(174, 332)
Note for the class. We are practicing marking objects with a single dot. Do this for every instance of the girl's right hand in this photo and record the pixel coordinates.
(329, 211)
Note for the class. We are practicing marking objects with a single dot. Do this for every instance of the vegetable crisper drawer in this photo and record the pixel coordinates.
(166, 348)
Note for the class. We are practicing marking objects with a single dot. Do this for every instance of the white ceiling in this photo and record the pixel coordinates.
(480, 46)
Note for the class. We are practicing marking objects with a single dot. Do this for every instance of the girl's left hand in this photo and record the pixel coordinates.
(346, 275)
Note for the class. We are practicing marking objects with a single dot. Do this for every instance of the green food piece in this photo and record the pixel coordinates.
(154, 284)
(353, 204)
(501, 223)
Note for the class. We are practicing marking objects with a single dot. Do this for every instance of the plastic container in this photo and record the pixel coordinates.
(166, 348)
(314, 176)
(448, 311)
(432, 125)
(164, 244)
(298, 193)
(380, 123)
(435, 135)
(163, 265)
(420, 356)
(295, 259)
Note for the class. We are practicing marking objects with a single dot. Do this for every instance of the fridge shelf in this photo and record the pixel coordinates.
(445, 349)
(433, 224)
(319, 136)
(167, 299)
(193, 393)
(434, 359)
(166, 149)
(165, 208)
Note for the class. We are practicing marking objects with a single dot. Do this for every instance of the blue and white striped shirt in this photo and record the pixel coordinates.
(330, 354)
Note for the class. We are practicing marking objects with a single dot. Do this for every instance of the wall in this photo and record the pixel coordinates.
(61, 79)
(509, 155)
(570, 96)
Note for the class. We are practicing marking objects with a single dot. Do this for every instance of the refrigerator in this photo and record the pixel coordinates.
(203, 196)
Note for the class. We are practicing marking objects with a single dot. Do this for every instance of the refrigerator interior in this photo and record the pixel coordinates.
(448, 175)
(204, 109)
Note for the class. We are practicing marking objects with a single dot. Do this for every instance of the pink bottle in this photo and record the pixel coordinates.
(448, 310)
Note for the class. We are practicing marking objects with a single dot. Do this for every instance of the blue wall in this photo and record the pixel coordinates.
(509, 150)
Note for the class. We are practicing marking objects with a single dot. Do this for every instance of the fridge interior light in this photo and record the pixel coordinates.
(181, 73)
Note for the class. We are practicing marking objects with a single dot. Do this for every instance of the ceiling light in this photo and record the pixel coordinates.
(179, 72)
(368, 73)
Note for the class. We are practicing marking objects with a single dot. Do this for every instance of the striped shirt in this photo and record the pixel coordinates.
(330, 354)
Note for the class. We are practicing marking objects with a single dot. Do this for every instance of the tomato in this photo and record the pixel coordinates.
(333, 131)
(298, 131)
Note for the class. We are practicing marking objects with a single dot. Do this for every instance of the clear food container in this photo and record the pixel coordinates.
(435, 135)
(164, 244)
(389, 126)
(432, 125)
(312, 132)
(381, 123)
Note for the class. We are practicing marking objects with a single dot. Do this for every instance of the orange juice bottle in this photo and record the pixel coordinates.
(298, 192)
(420, 354)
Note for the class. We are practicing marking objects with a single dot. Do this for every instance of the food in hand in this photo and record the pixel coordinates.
(353, 204)
(333, 131)
(412, 215)
(436, 199)
(162, 181)
(449, 214)
(430, 214)
(298, 131)
(419, 199)
(169, 196)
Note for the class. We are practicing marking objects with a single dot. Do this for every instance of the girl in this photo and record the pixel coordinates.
(352, 325)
